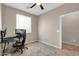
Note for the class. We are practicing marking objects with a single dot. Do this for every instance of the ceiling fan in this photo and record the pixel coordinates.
(39, 4)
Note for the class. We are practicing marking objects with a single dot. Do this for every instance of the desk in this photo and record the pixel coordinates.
(7, 39)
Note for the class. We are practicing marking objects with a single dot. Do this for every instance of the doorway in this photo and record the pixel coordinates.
(69, 29)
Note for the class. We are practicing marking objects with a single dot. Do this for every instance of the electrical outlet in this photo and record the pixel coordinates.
(74, 40)
(57, 31)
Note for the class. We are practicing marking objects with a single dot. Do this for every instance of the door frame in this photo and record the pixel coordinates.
(60, 26)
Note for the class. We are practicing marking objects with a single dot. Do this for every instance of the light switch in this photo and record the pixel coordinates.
(57, 31)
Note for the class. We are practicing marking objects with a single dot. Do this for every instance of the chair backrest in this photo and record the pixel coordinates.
(19, 31)
(3, 34)
(24, 37)
(22, 33)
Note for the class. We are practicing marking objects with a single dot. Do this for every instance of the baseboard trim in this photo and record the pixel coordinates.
(71, 43)
(31, 42)
(50, 44)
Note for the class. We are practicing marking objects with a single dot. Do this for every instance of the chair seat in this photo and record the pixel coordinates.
(18, 45)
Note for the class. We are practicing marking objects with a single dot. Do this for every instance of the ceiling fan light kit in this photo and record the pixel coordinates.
(39, 4)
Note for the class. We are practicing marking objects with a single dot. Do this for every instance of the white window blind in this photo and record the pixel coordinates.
(23, 22)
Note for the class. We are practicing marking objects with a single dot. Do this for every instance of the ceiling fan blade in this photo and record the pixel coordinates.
(33, 5)
(41, 7)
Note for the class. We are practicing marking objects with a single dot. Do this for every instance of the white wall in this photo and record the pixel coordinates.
(9, 21)
(70, 28)
(48, 24)
(0, 17)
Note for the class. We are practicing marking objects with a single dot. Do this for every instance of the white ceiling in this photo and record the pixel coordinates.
(35, 10)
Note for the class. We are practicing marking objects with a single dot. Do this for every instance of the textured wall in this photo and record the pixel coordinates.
(48, 24)
(0, 17)
(9, 21)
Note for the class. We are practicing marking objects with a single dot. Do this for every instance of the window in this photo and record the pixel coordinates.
(23, 22)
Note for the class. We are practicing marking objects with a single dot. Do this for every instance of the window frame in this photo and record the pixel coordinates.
(30, 23)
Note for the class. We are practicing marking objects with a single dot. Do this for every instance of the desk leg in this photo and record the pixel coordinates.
(4, 49)
(1, 46)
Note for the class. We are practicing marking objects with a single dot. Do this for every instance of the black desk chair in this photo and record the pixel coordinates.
(3, 34)
(19, 45)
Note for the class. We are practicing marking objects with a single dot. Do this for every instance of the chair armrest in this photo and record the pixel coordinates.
(17, 42)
